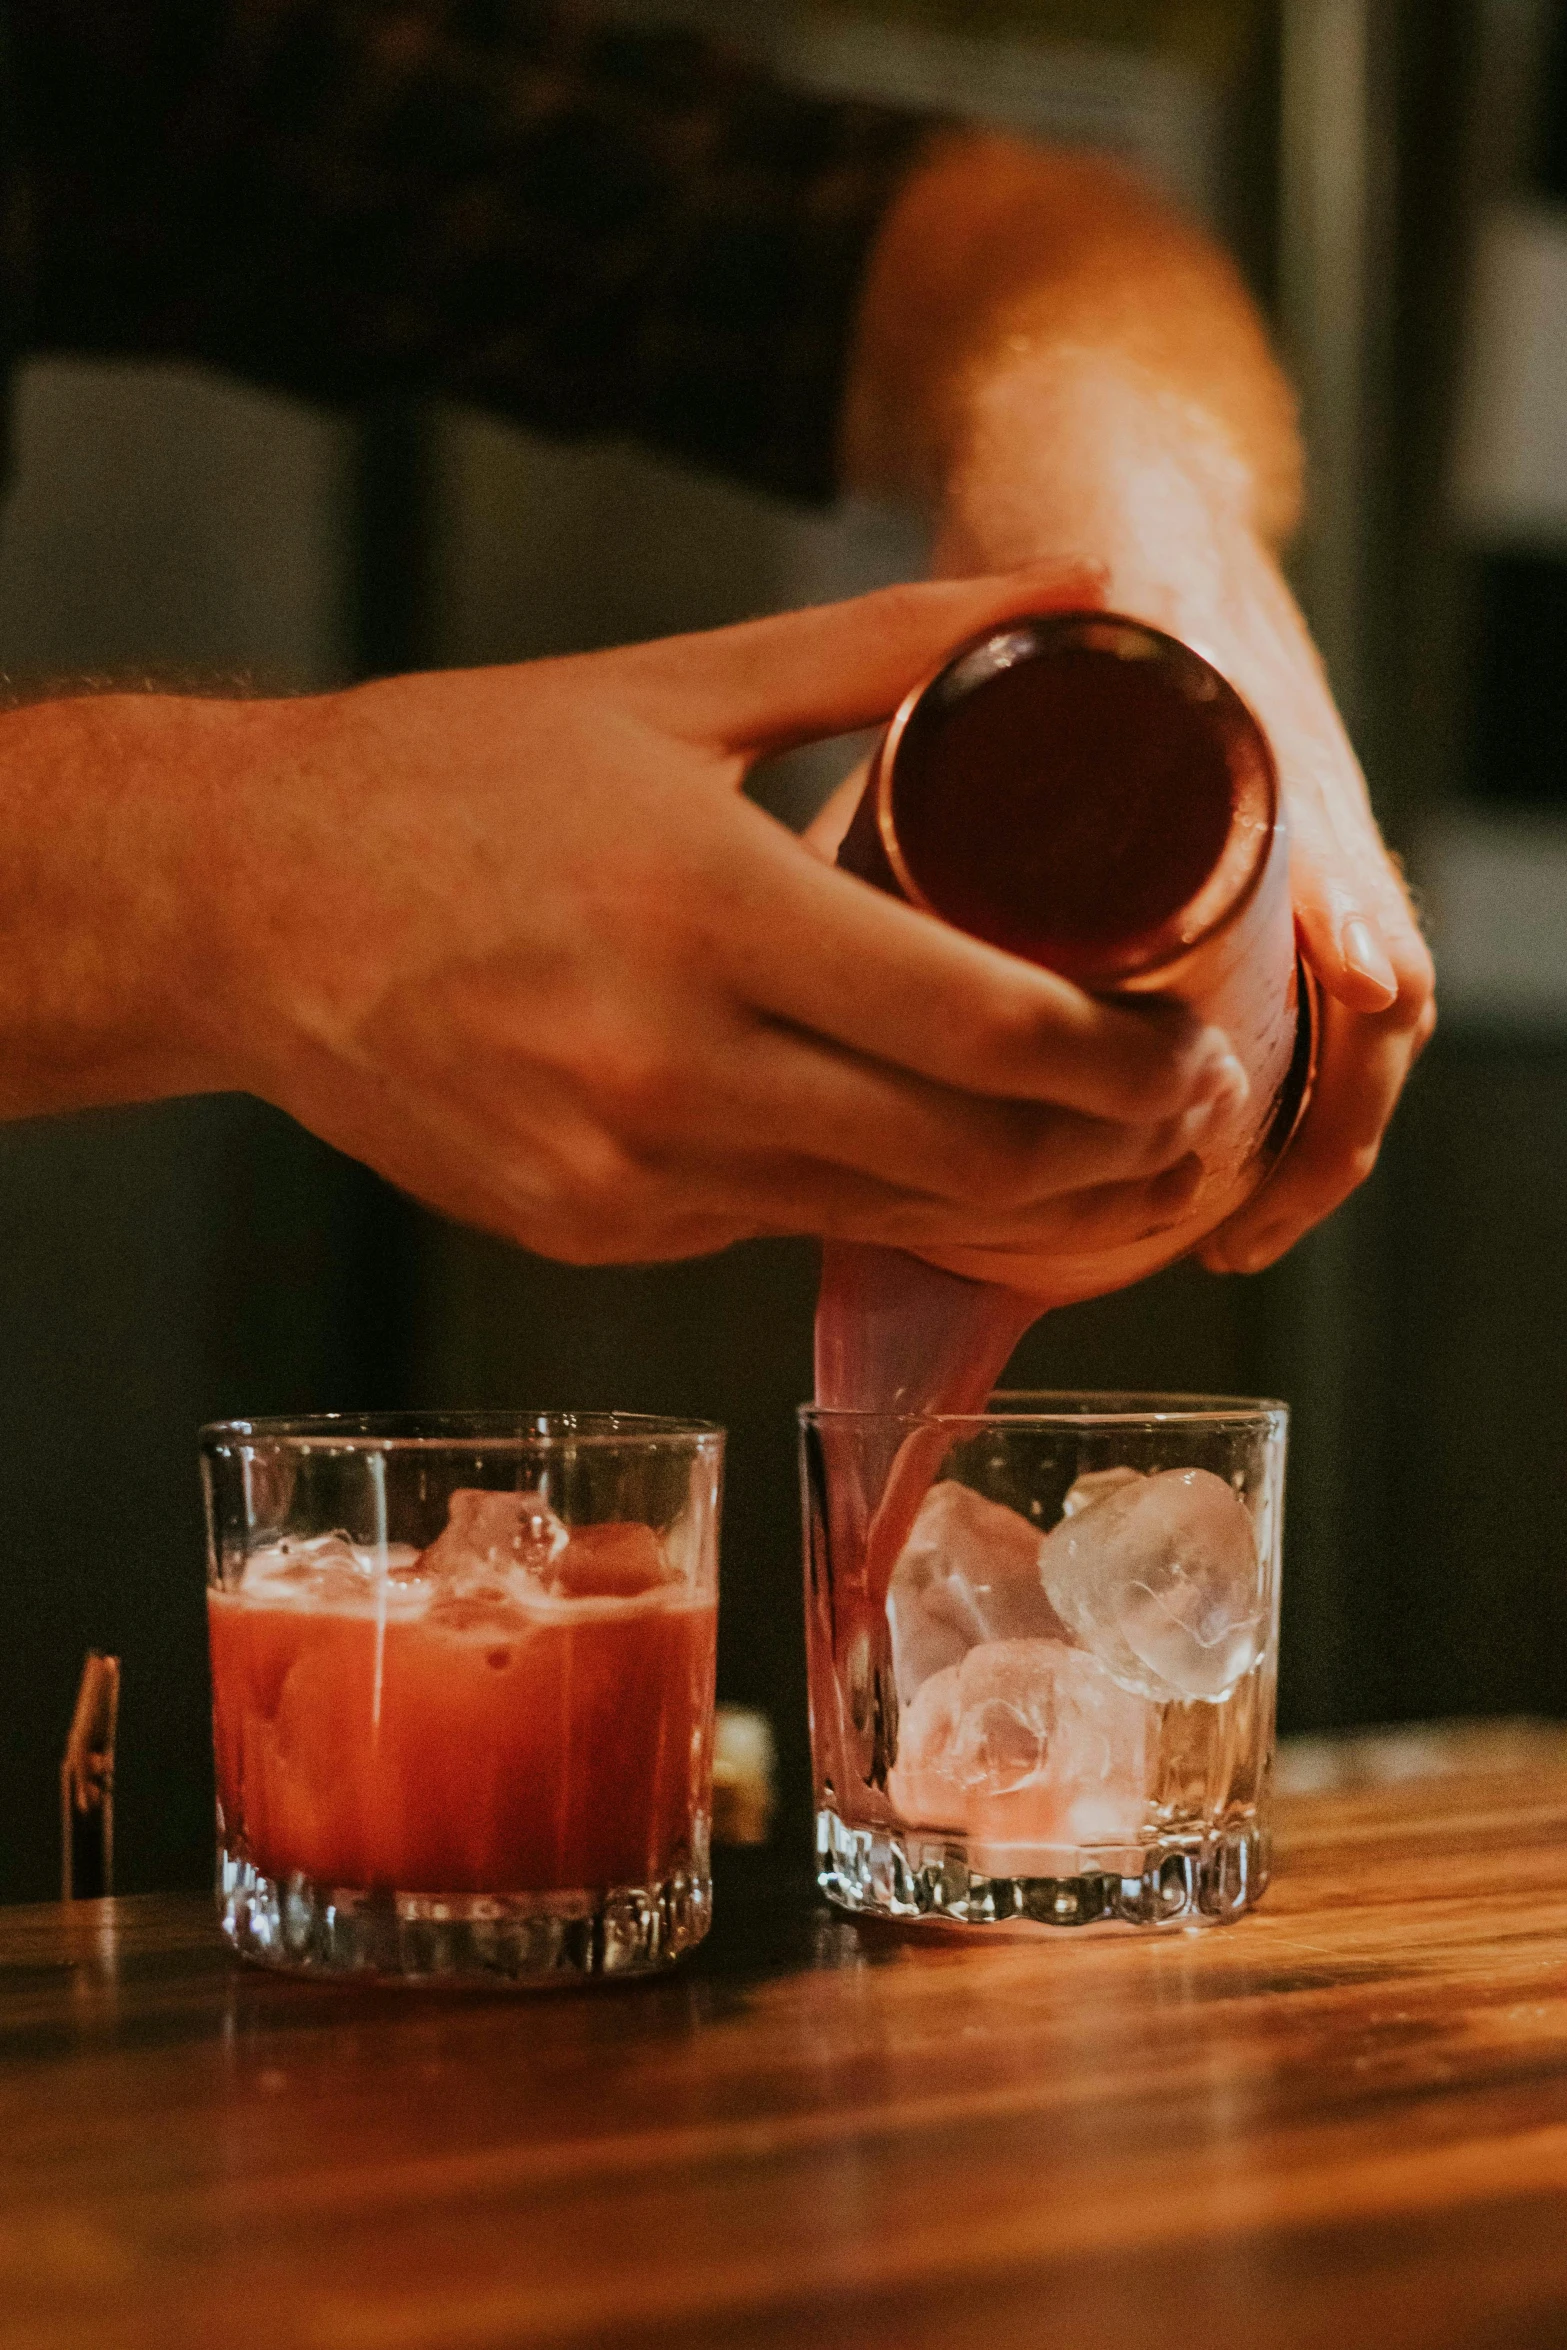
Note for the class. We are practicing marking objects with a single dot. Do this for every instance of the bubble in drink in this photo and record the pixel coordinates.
(1160, 1578)
(968, 1573)
(1026, 1745)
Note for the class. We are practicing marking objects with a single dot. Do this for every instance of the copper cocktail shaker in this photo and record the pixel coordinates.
(1091, 794)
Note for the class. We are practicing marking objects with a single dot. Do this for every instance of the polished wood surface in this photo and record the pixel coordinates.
(1342, 2121)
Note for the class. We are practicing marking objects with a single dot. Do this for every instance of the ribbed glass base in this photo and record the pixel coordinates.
(530, 1940)
(1194, 1878)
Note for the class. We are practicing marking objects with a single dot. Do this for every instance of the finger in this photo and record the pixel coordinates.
(1355, 915)
(1361, 1070)
(690, 1204)
(777, 1199)
(768, 684)
(560, 1180)
(823, 951)
(795, 1094)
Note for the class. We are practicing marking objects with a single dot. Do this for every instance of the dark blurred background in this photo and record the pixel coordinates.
(1393, 175)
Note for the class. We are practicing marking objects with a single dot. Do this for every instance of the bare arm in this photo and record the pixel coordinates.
(1055, 364)
(1000, 269)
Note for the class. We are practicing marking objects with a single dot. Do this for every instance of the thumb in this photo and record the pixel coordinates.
(765, 685)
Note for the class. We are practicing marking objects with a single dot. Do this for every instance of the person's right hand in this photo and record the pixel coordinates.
(515, 938)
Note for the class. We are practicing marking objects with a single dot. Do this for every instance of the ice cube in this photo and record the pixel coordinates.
(1161, 1581)
(512, 1538)
(1026, 1746)
(1053, 1751)
(492, 1558)
(1097, 1485)
(319, 1566)
(612, 1561)
(327, 1568)
(969, 1572)
(923, 1784)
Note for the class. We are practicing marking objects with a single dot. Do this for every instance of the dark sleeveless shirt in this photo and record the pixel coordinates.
(592, 229)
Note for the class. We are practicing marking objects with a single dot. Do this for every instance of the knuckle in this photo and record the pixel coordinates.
(1106, 1211)
(600, 1204)
(1157, 1065)
(1158, 1147)
(1003, 1181)
(1145, 1092)
(635, 1082)
(1007, 1164)
(1362, 1162)
(1419, 1011)
(999, 1034)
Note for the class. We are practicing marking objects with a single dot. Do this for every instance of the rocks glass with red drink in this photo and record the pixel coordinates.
(462, 1691)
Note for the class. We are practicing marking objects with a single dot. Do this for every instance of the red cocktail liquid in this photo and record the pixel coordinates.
(466, 1747)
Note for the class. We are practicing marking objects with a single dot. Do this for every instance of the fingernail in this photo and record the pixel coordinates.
(1251, 1255)
(1365, 954)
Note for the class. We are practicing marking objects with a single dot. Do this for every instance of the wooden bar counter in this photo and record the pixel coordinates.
(1341, 2122)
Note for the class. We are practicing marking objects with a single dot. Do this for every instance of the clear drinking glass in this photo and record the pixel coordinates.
(1061, 1707)
(462, 1690)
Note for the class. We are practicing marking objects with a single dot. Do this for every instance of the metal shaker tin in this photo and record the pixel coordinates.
(1091, 793)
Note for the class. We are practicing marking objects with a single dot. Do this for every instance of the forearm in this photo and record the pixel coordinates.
(107, 978)
(1039, 339)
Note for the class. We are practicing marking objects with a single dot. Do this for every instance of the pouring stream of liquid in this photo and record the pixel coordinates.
(896, 1335)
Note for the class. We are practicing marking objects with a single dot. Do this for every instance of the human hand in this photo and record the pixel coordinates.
(515, 938)
(1095, 465)
(1056, 364)
(1354, 919)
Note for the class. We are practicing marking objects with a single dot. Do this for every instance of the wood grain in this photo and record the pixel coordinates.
(1340, 2122)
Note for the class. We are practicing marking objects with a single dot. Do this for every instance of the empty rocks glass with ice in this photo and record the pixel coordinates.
(462, 1683)
(1056, 1703)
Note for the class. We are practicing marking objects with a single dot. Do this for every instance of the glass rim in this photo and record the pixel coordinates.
(522, 1433)
(1063, 1408)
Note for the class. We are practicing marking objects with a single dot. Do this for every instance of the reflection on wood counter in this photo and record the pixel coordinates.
(1342, 2121)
